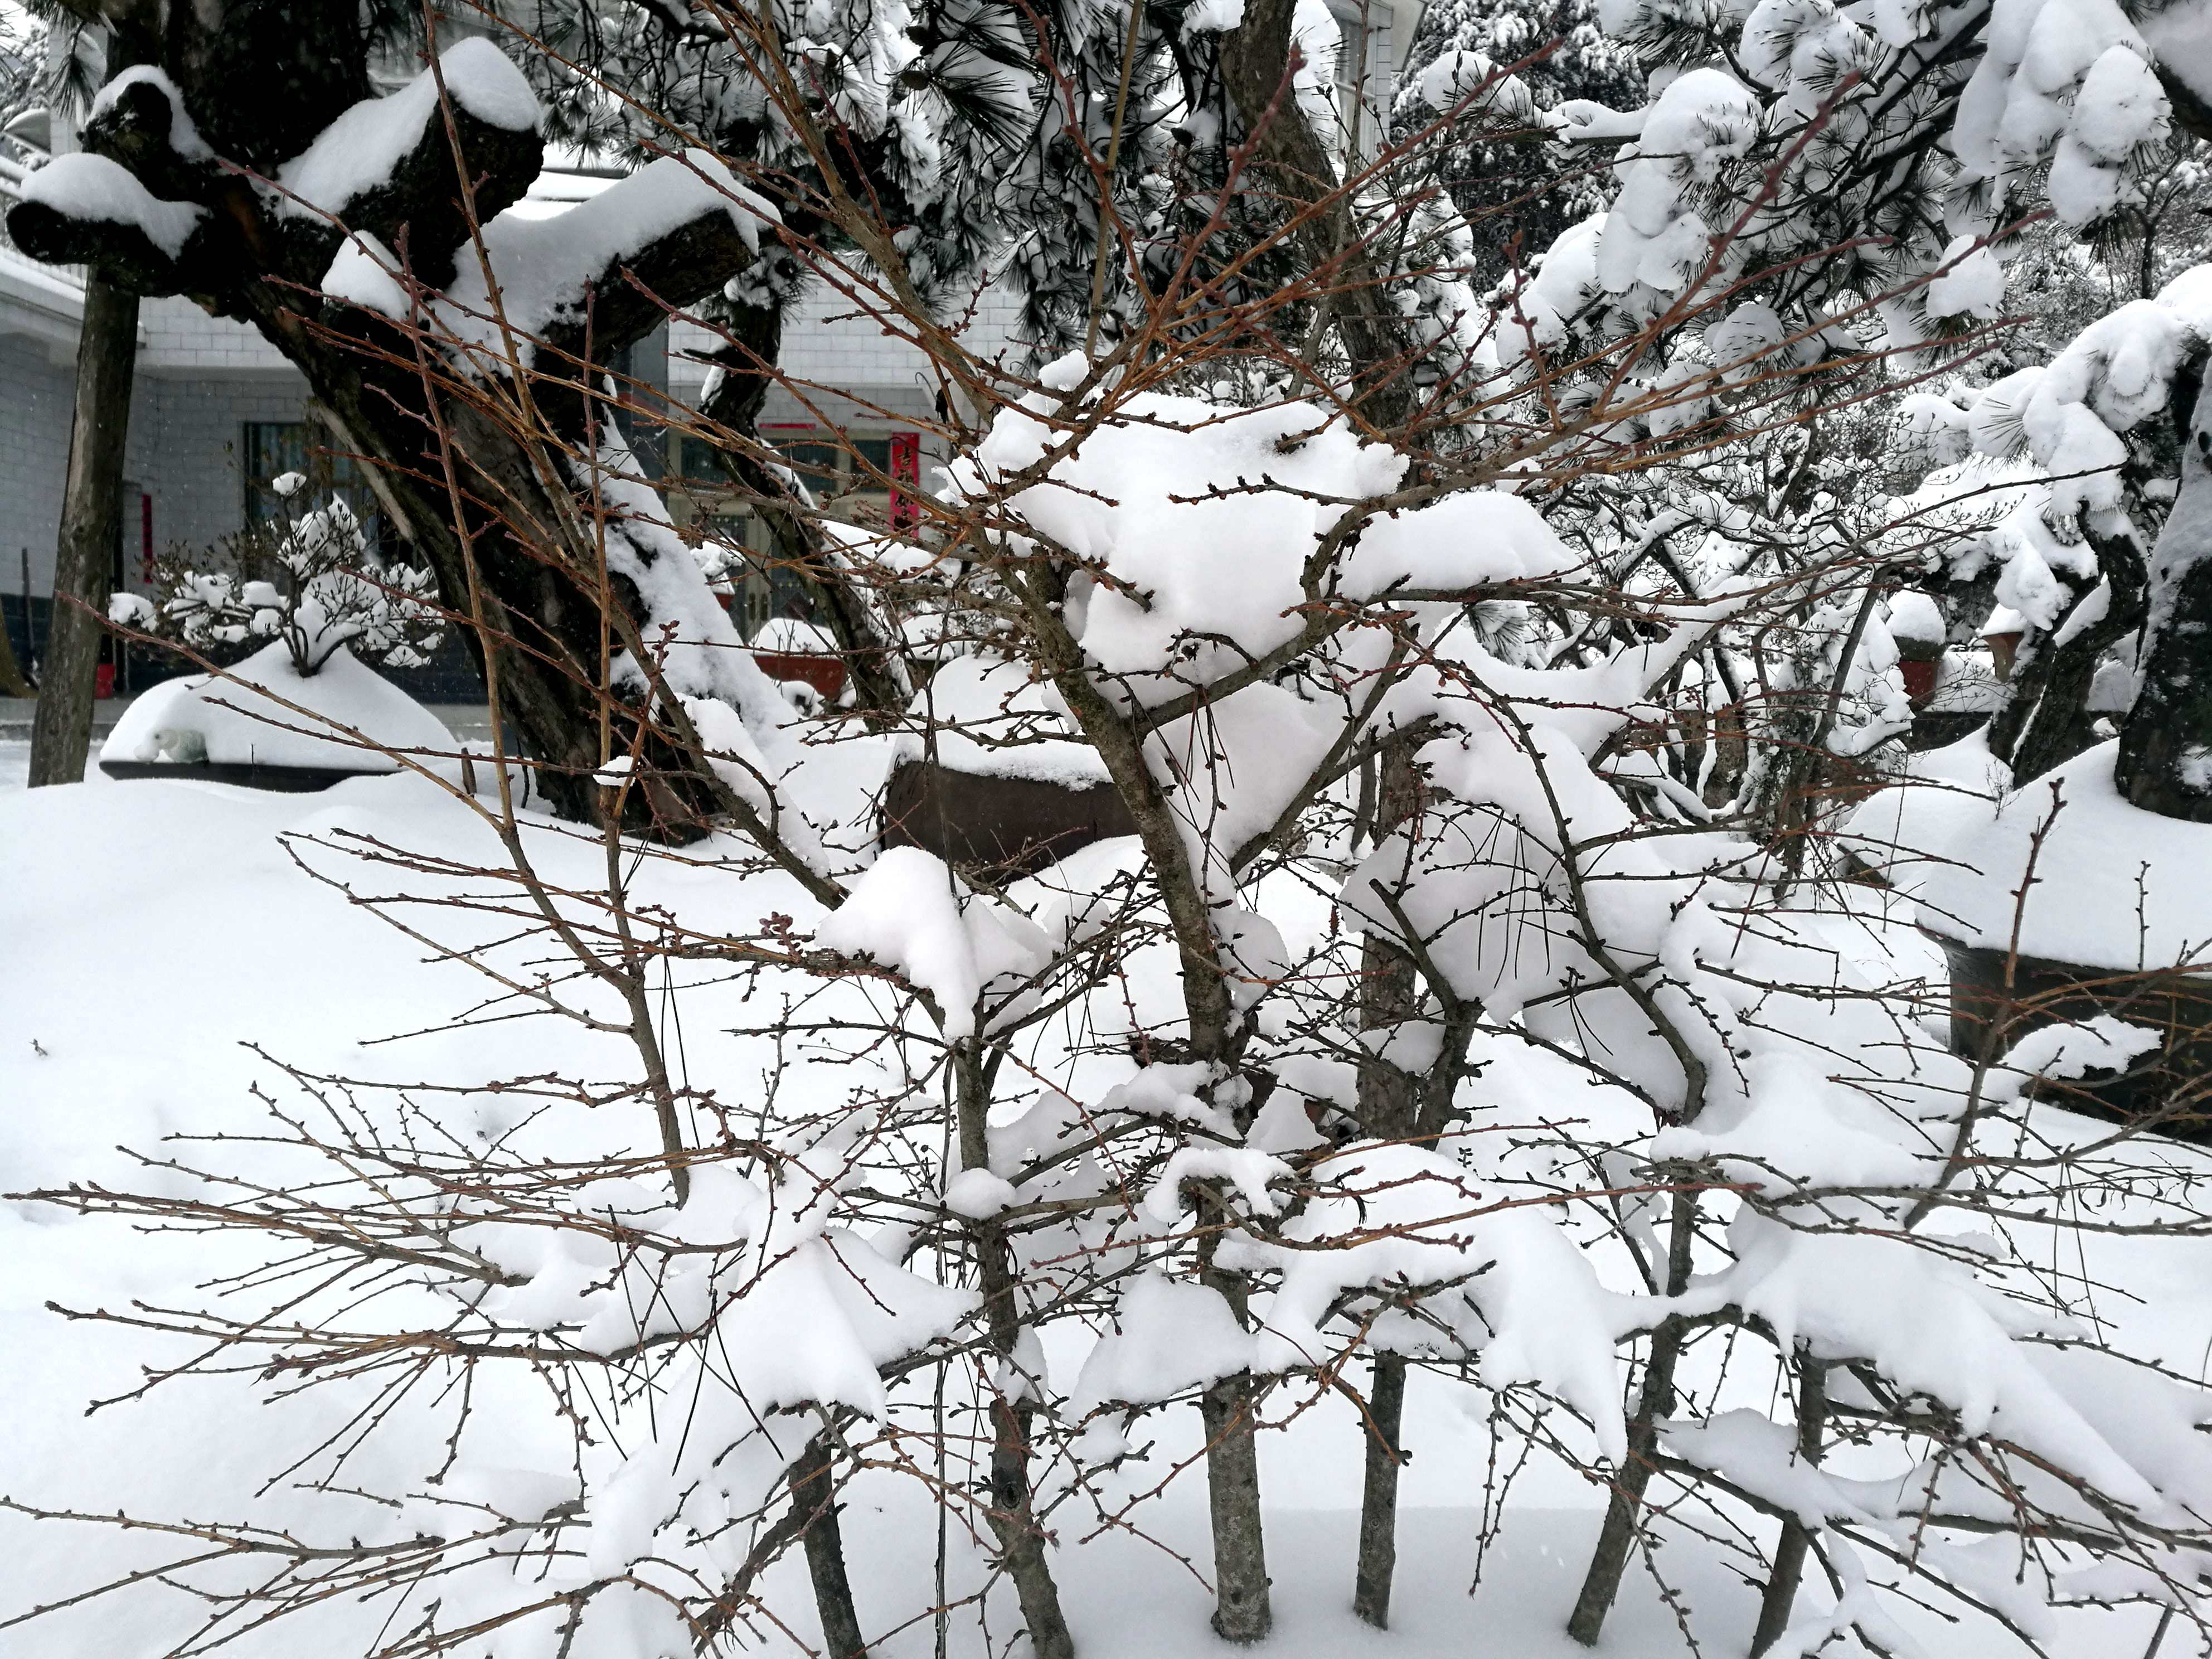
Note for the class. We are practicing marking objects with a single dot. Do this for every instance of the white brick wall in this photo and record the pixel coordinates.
(34, 419)
(183, 450)
(35, 408)
(178, 338)
(828, 346)
(194, 432)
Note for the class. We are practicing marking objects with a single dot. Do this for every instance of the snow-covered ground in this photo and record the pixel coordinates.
(157, 928)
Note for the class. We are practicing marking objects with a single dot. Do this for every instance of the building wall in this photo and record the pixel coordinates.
(35, 411)
(829, 352)
(177, 338)
(198, 380)
(195, 429)
(34, 427)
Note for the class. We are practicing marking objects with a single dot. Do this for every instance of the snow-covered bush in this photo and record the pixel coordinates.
(310, 582)
(1465, 1052)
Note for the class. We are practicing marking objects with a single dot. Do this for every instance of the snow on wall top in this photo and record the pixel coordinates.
(230, 719)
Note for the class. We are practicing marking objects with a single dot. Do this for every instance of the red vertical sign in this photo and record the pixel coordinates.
(906, 479)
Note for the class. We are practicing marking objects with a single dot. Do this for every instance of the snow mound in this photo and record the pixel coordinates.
(1899, 833)
(990, 720)
(2116, 887)
(251, 716)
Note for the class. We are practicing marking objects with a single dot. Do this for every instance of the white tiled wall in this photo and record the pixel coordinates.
(828, 346)
(178, 338)
(37, 397)
(199, 492)
(182, 451)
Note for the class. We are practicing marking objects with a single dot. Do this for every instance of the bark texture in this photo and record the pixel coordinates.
(1390, 1110)
(2063, 724)
(1624, 1511)
(1243, 1611)
(746, 360)
(1014, 1523)
(814, 1490)
(2165, 763)
(91, 530)
(1378, 1505)
(1257, 61)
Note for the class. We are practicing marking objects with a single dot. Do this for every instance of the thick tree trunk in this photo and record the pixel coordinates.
(814, 1490)
(2046, 719)
(2165, 763)
(92, 528)
(1255, 70)
(2064, 725)
(1242, 1611)
(510, 529)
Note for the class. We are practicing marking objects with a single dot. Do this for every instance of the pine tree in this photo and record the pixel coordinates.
(1516, 190)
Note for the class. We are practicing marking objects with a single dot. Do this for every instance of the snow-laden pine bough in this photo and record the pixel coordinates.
(1469, 1002)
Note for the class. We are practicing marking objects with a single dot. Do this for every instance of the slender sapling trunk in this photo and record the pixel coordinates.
(91, 530)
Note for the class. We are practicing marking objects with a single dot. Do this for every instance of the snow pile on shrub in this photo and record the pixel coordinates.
(265, 713)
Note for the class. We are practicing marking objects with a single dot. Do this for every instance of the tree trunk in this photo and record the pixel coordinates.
(1788, 1571)
(1242, 1611)
(12, 681)
(2064, 725)
(2165, 763)
(1378, 1501)
(1012, 1512)
(1256, 70)
(2046, 719)
(1624, 1512)
(488, 481)
(92, 527)
(814, 1488)
(1389, 994)
(747, 363)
